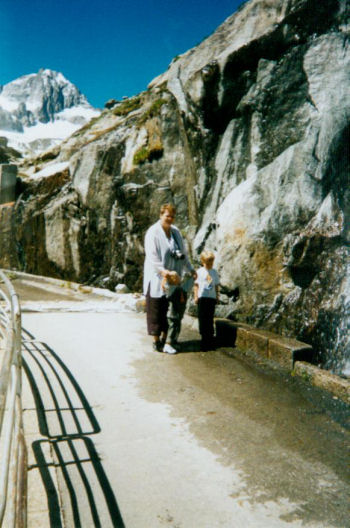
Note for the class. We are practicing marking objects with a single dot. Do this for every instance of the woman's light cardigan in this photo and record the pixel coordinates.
(158, 259)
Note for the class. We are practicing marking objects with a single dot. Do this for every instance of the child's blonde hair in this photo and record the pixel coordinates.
(171, 280)
(206, 255)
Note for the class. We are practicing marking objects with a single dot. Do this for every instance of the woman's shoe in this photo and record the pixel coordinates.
(158, 346)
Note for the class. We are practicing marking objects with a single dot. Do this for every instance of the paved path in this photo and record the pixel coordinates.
(121, 436)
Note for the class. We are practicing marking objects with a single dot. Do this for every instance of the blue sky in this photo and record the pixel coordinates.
(108, 48)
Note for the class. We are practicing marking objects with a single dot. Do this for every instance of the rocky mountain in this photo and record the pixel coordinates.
(248, 134)
(39, 110)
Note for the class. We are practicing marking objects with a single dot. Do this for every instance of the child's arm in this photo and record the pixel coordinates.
(196, 293)
(217, 292)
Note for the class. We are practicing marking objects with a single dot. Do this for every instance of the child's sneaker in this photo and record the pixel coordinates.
(168, 349)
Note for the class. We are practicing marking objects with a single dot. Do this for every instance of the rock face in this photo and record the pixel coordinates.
(39, 110)
(248, 134)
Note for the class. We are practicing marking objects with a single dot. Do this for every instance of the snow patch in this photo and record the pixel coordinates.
(7, 104)
(55, 131)
(77, 111)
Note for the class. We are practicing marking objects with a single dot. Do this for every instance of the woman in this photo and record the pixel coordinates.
(165, 254)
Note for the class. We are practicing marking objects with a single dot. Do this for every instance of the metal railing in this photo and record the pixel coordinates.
(13, 461)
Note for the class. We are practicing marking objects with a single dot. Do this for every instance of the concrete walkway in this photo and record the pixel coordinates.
(119, 435)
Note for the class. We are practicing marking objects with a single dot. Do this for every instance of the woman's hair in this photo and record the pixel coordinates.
(168, 207)
(206, 255)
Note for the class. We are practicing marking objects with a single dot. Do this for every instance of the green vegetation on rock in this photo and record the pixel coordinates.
(127, 106)
(141, 155)
(147, 154)
(153, 110)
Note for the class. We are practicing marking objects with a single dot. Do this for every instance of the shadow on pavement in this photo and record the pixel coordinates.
(66, 419)
(190, 345)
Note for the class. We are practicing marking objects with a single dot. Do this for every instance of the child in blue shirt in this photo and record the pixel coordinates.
(206, 292)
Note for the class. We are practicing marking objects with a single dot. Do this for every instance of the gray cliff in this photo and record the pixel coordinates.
(248, 134)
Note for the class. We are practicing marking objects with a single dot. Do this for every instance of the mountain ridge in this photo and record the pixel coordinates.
(39, 110)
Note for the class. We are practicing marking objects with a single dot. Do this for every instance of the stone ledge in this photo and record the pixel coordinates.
(339, 387)
(271, 346)
(287, 351)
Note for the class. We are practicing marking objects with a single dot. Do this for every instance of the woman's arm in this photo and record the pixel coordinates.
(153, 254)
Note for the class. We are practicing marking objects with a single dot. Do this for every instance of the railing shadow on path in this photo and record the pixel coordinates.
(66, 420)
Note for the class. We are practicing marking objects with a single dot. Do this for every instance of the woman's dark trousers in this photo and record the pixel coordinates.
(156, 310)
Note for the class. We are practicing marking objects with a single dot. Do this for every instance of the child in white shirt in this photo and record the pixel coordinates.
(206, 292)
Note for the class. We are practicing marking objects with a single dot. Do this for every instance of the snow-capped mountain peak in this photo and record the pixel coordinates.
(41, 109)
